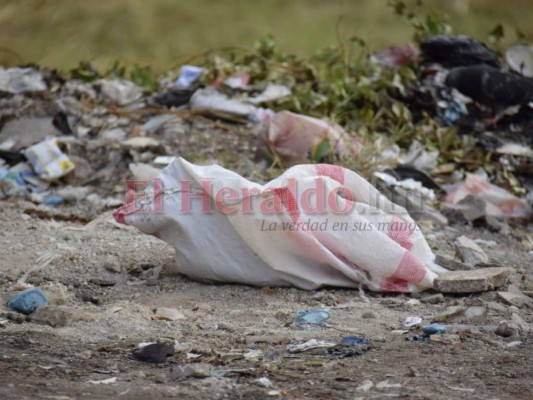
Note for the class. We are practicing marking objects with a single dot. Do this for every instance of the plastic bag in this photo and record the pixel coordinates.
(313, 226)
(500, 203)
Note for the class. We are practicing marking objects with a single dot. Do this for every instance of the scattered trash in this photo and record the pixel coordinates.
(500, 203)
(27, 301)
(412, 321)
(49, 162)
(397, 56)
(309, 345)
(238, 81)
(353, 340)
(520, 59)
(212, 102)
(312, 317)
(265, 382)
(119, 91)
(454, 51)
(188, 75)
(253, 355)
(433, 329)
(20, 80)
(491, 87)
(409, 184)
(294, 136)
(271, 93)
(194, 370)
(155, 353)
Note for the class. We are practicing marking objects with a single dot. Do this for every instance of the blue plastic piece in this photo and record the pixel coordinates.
(27, 301)
(53, 200)
(352, 340)
(316, 317)
(434, 329)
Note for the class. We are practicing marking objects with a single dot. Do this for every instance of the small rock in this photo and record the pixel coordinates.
(449, 313)
(433, 299)
(469, 252)
(413, 302)
(56, 293)
(225, 327)
(156, 353)
(478, 280)
(272, 339)
(168, 314)
(506, 329)
(16, 317)
(365, 386)
(387, 385)
(492, 305)
(447, 338)
(253, 355)
(112, 264)
(471, 314)
(514, 299)
(471, 208)
(368, 314)
(102, 282)
(451, 264)
(195, 370)
(522, 325)
(51, 315)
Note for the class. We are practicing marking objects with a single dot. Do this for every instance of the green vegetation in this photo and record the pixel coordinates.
(167, 33)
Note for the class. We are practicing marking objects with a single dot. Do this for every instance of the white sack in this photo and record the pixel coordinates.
(273, 235)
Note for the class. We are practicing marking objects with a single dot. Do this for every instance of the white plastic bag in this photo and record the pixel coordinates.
(315, 225)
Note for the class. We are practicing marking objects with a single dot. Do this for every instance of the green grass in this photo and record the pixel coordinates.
(166, 33)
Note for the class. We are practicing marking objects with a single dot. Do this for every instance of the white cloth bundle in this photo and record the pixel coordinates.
(315, 225)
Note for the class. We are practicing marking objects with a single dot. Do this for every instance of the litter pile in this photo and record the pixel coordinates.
(444, 132)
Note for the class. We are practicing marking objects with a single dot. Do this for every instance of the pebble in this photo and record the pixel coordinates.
(469, 252)
(492, 305)
(433, 299)
(514, 299)
(368, 314)
(168, 314)
(195, 370)
(450, 263)
(506, 329)
(271, 339)
(112, 264)
(51, 315)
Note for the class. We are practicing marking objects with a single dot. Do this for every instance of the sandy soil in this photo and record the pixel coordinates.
(109, 314)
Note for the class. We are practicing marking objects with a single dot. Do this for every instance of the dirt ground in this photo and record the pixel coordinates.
(109, 315)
